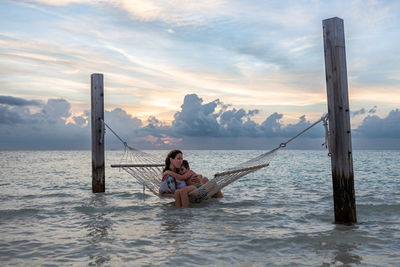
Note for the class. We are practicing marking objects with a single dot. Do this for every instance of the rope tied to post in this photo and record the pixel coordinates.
(323, 118)
(326, 143)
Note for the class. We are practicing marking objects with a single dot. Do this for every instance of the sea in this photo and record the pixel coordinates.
(281, 215)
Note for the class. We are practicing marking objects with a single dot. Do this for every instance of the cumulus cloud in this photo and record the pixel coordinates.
(9, 116)
(357, 112)
(236, 123)
(293, 129)
(80, 121)
(124, 124)
(14, 110)
(363, 111)
(197, 125)
(122, 120)
(57, 108)
(46, 128)
(375, 127)
(195, 118)
(271, 126)
(16, 101)
(216, 119)
(372, 110)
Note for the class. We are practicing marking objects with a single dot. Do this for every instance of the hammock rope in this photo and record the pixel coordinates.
(147, 169)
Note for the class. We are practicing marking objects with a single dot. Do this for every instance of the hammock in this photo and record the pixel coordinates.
(148, 170)
(149, 174)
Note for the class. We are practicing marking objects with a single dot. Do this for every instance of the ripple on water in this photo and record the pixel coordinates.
(282, 215)
(18, 214)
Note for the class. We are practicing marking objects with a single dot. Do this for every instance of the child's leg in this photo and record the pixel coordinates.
(177, 196)
(216, 195)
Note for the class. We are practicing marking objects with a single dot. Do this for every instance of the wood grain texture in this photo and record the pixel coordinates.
(97, 116)
(339, 121)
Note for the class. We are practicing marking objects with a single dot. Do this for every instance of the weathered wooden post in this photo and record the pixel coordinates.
(339, 121)
(98, 170)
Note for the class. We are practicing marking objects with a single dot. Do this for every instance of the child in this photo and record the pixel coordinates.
(193, 181)
(185, 173)
(196, 179)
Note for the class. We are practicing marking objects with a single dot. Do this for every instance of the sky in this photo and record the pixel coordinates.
(204, 74)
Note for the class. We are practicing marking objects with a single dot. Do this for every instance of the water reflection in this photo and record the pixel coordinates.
(344, 253)
(176, 226)
(98, 260)
(98, 227)
(342, 241)
(174, 220)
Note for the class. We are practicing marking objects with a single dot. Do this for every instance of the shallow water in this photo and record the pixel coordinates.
(281, 215)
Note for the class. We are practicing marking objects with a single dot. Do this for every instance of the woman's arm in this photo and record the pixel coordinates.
(179, 176)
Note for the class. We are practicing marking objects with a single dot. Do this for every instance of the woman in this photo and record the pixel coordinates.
(171, 187)
(192, 179)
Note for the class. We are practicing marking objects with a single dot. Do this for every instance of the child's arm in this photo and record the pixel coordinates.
(178, 176)
(195, 179)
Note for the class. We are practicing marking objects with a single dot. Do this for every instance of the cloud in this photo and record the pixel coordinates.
(16, 101)
(195, 118)
(198, 124)
(124, 124)
(372, 110)
(218, 120)
(177, 12)
(47, 128)
(60, 2)
(122, 120)
(240, 51)
(271, 126)
(9, 116)
(293, 129)
(375, 127)
(80, 121)
(57, 108)
(357, 112)
(234, 123)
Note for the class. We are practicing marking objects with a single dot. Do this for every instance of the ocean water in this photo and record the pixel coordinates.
(279, 216)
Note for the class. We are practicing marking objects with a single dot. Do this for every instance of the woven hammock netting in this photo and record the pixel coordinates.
(147, 169)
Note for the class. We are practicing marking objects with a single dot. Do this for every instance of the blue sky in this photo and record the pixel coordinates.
(248, 73)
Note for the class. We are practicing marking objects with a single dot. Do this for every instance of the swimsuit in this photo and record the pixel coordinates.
(181, 184)
(168, 184)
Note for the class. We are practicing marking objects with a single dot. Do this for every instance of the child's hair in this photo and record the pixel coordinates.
(185, 163)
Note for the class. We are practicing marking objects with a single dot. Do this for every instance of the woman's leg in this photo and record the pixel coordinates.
(185, 195)
(177, 196)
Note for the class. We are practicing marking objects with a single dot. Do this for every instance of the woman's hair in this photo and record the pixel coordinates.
(171, 154)
(185, 163)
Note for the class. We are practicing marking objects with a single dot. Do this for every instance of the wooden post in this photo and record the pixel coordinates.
(98, 173)
(339, 122)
